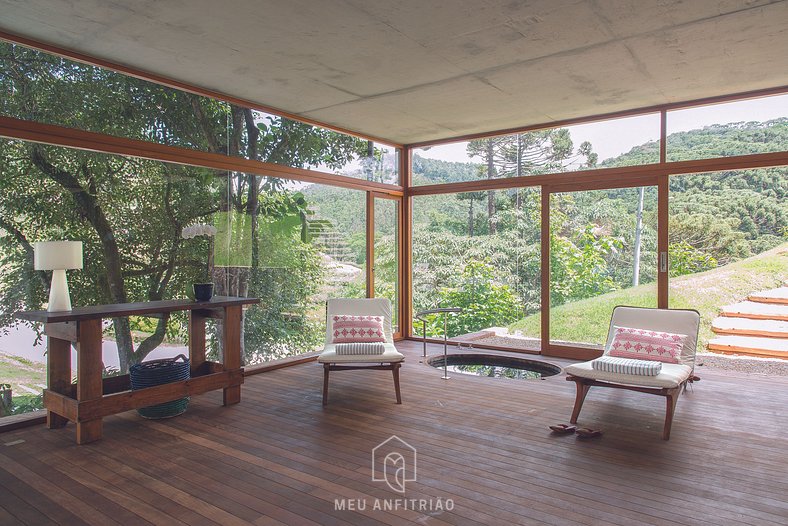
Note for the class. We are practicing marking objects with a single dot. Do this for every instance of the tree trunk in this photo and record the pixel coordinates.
(491, 193)
(470, 216)
(638, 231)
(518, 202)
(91, 210)
(369, 163)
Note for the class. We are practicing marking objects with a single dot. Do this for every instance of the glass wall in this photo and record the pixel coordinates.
(48, 89)
(150, 230)
(309, 251)
(627, 141)
(732, 128)
(728, 239)
(386, 252)
(479, 251)
(603, 253)
(134, 218)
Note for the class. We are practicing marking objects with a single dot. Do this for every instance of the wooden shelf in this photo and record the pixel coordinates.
(93, 397)
(118, 396)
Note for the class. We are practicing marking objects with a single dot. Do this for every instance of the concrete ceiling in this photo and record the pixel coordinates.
(416, 70)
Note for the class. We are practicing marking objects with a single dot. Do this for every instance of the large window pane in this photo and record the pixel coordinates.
(479, 251)
(724, 130)
(130, 215)
(620, 142)
(150, 231)
(386, 250)
(311, 247)
(728, 239)
(603, 253)
(44, 88)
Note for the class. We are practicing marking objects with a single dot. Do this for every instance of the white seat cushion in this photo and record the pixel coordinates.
(390, 354)
(672, 375)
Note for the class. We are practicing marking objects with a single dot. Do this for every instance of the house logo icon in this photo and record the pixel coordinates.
(394, 462)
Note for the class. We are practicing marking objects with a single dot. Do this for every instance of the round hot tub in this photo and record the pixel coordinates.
(495, 366)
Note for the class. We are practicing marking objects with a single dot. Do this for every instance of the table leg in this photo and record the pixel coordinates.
(196, 341)
(58, 375)
(89, 383)
(232, 350)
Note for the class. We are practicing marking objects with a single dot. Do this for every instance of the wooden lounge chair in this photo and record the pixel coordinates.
(668, 383)
(390, 360)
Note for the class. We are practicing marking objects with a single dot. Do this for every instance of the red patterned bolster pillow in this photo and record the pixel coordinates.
(643, 344)
(357, 329)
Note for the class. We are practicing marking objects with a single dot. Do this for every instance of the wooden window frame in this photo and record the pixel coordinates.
(404, 192)
(370, 247)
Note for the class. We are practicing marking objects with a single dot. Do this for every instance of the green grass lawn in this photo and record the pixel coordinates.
(587, 320)
(17, 371)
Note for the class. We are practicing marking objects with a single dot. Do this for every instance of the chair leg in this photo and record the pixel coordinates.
(326, 369)
(395, 371)
(582, 391)
(672, 399)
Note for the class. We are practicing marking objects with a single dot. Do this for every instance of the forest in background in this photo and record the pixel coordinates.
(481, 250)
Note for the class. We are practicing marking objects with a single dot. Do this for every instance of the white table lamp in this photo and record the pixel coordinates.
(58, 256)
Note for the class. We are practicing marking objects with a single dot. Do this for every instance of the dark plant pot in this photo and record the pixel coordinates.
(203, 291)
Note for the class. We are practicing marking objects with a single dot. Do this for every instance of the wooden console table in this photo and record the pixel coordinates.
(91, 398)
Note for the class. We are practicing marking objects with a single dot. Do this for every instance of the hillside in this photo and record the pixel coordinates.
(587, 320)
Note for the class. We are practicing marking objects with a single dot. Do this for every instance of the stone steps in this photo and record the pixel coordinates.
(756, 311)
(748, 327)
(755, 327)
(778, 296)
(750, 346)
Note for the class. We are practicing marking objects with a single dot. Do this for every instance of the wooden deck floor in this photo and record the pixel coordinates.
(280, 458)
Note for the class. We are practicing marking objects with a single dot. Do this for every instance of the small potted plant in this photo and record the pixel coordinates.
(202, 291)
(6, 401)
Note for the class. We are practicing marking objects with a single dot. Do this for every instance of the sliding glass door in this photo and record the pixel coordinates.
(383, 244)
(603, 252)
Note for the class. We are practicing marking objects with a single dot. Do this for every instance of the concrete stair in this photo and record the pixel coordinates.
(728, 326)
(755, 327)
(776, 296)
(756, 311)
(750, 346)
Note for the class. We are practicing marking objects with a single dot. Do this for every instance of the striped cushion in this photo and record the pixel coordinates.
(357, 329)
(360, 348)
(644, 344)
(627, 366)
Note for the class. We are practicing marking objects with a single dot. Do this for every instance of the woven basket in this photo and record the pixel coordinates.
(158, 372)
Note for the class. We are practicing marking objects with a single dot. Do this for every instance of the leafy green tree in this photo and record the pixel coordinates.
(130, 212)
(579, 266)
(483, 301)
(686, 259)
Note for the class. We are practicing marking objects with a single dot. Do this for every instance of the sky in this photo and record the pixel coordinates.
(614, 137)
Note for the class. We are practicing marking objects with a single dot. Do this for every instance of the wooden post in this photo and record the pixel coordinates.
(232, 350)
(663, 242)
(196, 341)
(89, 383)
(326, 371)
(545, 272)
(671, 399)
(370, 246)
(58, 375)
(582, 391)
(395, 371)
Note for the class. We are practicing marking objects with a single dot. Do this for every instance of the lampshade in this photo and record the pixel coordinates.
(58, 255)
